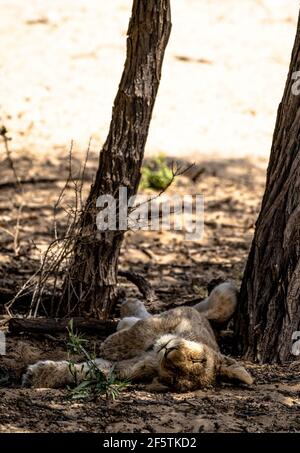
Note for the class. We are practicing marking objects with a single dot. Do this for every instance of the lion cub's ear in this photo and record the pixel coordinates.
(232, 370)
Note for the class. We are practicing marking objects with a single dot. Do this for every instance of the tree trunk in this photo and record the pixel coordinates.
(269, 309)
(90, 288)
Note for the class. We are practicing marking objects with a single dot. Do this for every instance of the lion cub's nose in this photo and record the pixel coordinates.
(168, 351)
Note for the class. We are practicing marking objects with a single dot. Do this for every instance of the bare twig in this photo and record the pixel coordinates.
(19, 188)
(6, 139)
(178, 171)
(61, 194)
(56, 259)
(83, 172)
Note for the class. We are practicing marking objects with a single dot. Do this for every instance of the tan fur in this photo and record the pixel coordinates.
(221, 303)
(134, 307)
(177, 349)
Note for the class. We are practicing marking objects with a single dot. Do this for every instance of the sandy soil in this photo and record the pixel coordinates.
(222, 81)
(223, 77)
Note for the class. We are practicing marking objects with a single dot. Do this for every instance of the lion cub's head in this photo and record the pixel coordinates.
(187, 365)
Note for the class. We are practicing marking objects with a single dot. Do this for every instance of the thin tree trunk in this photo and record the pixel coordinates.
(90, 288)
(269, 309)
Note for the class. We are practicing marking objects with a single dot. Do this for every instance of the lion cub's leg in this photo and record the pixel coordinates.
(131, 311)
(47, 374)
(51, 374)
(142, 368)
(134, 307)
(221, 303)
(134, 341)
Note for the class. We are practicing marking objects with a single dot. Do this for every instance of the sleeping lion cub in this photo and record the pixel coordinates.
(176, 349)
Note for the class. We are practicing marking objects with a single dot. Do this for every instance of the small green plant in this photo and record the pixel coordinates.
(95, 381)
(156, 174)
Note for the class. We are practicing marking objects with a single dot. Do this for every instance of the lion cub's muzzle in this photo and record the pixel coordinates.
(184, 365)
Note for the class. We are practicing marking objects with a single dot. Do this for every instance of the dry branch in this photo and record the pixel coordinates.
(51, 325)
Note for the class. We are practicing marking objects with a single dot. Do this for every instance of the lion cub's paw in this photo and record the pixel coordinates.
(46, 374)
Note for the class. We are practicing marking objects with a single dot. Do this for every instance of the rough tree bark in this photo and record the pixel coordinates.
(90, 288)
(269, 309)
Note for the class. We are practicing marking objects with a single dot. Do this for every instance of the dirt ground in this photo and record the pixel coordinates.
(55, 90)
(179, 271)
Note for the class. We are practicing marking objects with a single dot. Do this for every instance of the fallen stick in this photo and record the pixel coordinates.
(51, 325)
